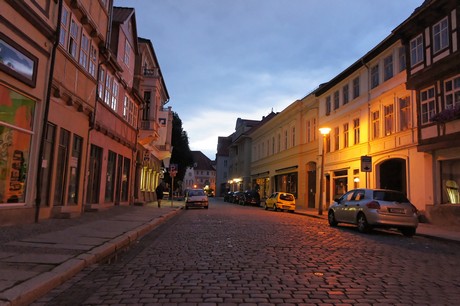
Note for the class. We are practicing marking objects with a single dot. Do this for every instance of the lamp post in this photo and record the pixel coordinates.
(324, 131)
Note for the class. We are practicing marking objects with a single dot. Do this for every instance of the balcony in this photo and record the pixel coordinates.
(152, 72)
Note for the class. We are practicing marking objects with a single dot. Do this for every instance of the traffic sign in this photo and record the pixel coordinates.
(366, 164)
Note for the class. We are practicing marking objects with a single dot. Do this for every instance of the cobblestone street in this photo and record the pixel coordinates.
(230, 254)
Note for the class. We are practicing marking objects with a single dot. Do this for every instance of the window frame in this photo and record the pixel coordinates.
(427, 105)
(416, 50)
(441, 35)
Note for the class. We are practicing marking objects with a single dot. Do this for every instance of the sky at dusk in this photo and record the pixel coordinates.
(229, 59)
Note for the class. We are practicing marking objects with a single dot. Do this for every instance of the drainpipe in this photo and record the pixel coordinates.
(45, 115)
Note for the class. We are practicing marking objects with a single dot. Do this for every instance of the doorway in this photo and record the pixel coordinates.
(393, 174)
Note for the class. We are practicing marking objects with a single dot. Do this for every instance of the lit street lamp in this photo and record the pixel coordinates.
(324, 131)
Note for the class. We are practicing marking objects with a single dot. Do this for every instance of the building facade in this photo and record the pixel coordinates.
(113, 133)
(202, 175)
(431, 37)
(155, 129)
(27, 50)
(222, 163)
(284, 152)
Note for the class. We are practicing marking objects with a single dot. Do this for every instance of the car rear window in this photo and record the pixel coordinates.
(390, 196)
(286, 197)
(194, 193)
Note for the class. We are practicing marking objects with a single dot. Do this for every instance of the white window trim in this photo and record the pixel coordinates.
(416, 50)
(430, 103)
(441, 35)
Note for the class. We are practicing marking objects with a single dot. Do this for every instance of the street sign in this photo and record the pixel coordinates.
(366, 164)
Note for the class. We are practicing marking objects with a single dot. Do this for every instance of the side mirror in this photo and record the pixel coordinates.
(338, 200)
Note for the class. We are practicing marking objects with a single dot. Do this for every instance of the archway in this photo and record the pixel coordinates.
(392, 174)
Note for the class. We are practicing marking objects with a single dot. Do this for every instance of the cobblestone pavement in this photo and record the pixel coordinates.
(235, 255)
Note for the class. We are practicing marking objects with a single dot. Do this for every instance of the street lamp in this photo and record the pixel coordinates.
(324, 131)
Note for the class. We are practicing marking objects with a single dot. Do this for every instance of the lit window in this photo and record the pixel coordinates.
(114, 95)
(356, 130)
(345, 135)
(100, 86)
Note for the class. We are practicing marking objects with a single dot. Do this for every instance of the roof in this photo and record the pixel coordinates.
(201, 161)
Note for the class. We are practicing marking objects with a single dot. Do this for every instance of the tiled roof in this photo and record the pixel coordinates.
(202, 161)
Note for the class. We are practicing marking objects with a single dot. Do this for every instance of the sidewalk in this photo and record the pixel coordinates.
(423, 229)
(36, 258)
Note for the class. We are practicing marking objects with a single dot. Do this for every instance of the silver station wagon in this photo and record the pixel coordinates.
(372, 208)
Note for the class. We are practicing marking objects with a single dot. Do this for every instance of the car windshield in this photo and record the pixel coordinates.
(390, 196)
(286, 197)
(194, 193)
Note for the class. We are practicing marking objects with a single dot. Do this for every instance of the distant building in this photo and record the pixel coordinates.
(222, 163)
(201, 175)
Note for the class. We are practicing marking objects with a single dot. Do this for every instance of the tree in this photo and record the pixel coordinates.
(181, 154)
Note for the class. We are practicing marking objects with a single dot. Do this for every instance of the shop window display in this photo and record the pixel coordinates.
(16, 121)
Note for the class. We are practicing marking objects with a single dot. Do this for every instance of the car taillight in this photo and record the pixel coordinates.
(373, 205)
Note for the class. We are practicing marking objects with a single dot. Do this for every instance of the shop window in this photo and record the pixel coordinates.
(450, 174)
(16, 121)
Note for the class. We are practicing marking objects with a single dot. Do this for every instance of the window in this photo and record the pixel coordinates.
(73, 39)
(273, 145)
(416, 50)
(108, 89)
(285, 140)
(356, 90)
(293, 136)
(328, 105)
(440, 35)
(64, 26)
(388, 113)
(452, 92)
(336, 100)
(84, 51)
(375, 124)
(127, 53)
(110, 176)
(404, 113)
(62, 156)
(92, 61)
(279, 143)
(313, 128)
(345, 135)
(427, 105)
(336, 138)
(100, 85)
(75, 169)
(345, 92)
(146, 109)
(308, 134)
(402, 58)
(356, 130)
(375, 76)
(328, 142)
(388, 67)
(114, 103)
(125, 107)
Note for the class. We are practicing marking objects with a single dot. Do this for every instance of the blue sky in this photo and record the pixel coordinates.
(229, 59)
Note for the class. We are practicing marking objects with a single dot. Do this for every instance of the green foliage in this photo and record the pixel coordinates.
(181, 154)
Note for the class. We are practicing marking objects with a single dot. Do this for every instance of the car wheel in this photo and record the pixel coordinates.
(265, 206)
(206, 207)
(331, 219)
(363, 226)
(275, 208)
(408, 231)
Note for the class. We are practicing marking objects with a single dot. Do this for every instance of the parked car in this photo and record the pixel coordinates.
(369, 208)
(238, 197)
(280, 201)
(228, 197)
(196, 198)
(251, 197)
